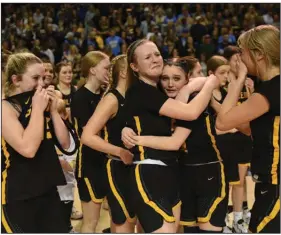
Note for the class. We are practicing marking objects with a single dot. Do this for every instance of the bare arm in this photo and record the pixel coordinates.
(60, 129)
(107, 107)
(168, 143)
(191, 111)
(244, 128)
(25, 141)
(231, 115)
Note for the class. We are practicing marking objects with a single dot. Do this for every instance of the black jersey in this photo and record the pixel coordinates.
(201, 143)
(143, 103)
(83, 105)
(67, 98)
(24, 178)
(228, 141)
(114, 126)
(265, 164)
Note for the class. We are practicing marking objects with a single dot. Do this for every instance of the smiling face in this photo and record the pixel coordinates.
(149, 62)
(65, 74)
(49, 74)
(29, 80)
(172, 80)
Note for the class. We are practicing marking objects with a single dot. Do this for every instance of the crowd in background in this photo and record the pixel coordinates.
(68, 31)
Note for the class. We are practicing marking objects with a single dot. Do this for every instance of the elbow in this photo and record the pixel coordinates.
(65, 144)
(83, 139)
(221, 126)
(28, 152)
(194, 115)
(175, 146)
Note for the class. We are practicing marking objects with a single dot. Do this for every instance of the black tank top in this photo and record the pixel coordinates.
(67, 98)
(24, 178)
(114, 126)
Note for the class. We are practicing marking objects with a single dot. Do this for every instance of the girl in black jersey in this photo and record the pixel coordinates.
(149, 113)
(202, 179)
(64, 76)
(239, 164)
(260, 56)
(30, 166)
(110, 118)
(90, 170)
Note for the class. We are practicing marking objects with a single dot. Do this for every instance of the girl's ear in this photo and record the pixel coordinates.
(134, 67)
(93, 71)
(15, 79)
(210, 73)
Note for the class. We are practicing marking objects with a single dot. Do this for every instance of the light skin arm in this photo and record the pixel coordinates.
(169, 143)
(244, 128)
(191, 111)
(107, 107)
(14, 133)
(60, 129)
(231, 115)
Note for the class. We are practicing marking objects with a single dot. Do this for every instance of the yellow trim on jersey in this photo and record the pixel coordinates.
(80, 161)
(189, 224)
(105, 134)
(137, 120)
(79, 150)
(91, 192)
(5, 223)
(5, 172)
(276, 156)
(222, 196)
(152, 204)
(234, 182)
(177, 205)
(116, 194)
(270, 217)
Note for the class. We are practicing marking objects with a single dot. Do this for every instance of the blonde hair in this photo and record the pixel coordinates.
(264, 39)
(117, 65)
(17, 65)
(91, 59)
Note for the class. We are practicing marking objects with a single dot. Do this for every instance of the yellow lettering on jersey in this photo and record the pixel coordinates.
(28, 112)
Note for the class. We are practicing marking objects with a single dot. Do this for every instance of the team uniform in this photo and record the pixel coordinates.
(235, 148)
(30, 201)
(202, 177)
(90, 169)
(153, 187)
(265, 164)
(68, 98)
(117, 172)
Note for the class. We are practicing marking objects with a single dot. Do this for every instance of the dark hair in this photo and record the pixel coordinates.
(60, 65)
(189, 63)
(132, 76)
(45, 58)
(214, 62)
(229, 51)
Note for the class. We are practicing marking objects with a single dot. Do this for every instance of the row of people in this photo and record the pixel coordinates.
(152, 182)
